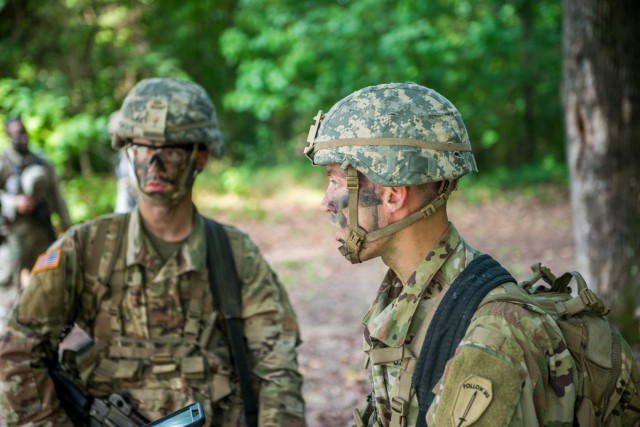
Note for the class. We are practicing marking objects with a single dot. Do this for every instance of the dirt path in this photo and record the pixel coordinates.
(331, 296)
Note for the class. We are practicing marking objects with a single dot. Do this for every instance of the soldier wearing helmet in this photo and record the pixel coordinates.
(139, 285)
(393, 154)
(30, 194)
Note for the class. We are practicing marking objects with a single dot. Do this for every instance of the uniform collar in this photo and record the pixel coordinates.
(389, 321)
(191, 257)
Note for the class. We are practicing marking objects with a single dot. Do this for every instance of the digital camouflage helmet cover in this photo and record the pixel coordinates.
(396, 134)
(169, 111)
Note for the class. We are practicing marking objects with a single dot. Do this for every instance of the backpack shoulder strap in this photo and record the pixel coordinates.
(225, 288)
(455, 312)
(107, 238)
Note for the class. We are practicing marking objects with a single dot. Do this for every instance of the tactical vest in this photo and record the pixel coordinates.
(160, 371)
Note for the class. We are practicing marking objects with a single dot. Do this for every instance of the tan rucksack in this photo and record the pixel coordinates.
(603, 358)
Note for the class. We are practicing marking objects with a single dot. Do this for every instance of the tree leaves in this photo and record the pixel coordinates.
(269, 65)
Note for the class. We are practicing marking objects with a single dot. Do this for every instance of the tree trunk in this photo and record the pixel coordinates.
(527, 152)
(601, 94)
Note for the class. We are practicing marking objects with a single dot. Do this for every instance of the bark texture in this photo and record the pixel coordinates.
(601, 94)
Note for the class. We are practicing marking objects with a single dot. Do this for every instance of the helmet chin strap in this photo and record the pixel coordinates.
(358, 236)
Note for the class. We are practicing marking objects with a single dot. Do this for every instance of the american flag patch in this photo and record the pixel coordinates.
(47, 261)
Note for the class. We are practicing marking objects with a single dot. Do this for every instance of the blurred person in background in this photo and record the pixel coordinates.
(29, 194)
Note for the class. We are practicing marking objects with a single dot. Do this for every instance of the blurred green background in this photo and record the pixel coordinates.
(269, 66)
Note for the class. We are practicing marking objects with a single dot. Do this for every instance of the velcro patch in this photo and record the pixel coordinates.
(47, 261)
(473, 398)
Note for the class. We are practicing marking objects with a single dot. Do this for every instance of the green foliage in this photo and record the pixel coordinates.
(62, 138)
(244, 181)
(269, 65)
(66, 66)
(89, 197)
(241, 191)
(498, 62)
(546, 181)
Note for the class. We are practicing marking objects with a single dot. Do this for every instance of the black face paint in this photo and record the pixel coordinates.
(156, 158)
(341, 205)
(163, 167)
(18, 136)
(156, 170)
(368, 197)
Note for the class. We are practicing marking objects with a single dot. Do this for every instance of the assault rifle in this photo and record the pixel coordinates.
(117, 410)
(84, 409)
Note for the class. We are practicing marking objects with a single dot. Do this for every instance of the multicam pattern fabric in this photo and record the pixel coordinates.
(627, 387)
(518, 350)
(171, 111)
(145, 346)
(396, 134)
(609, 380)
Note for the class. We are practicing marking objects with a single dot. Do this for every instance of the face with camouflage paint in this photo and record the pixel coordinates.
(336, 203)
(162, 170)
(19, 138)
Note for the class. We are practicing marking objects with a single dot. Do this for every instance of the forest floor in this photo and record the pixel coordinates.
(331, 296)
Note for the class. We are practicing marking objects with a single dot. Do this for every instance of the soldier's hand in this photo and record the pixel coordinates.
(24, 204)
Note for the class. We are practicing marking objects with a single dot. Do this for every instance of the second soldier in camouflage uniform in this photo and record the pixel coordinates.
(155, 331)
(30, 193)
(393, 154)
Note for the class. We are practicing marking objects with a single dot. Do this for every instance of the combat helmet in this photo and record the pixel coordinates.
(396, 134)
(169, 111)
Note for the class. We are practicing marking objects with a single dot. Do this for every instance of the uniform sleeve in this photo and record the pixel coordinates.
(511, 369)
(30, 339)
(271, 329)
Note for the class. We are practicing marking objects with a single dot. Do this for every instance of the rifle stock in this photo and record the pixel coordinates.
(87, 410)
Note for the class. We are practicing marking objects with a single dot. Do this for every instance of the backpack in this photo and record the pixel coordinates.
(602, 357)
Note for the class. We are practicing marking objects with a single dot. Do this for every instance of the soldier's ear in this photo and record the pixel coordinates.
(201, 159)
(394, 198)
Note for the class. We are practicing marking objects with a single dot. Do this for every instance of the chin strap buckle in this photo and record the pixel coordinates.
(351, 248)
(355, 240)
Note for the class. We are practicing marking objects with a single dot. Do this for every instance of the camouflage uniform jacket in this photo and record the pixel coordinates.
(143, 331)
(514, 355)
